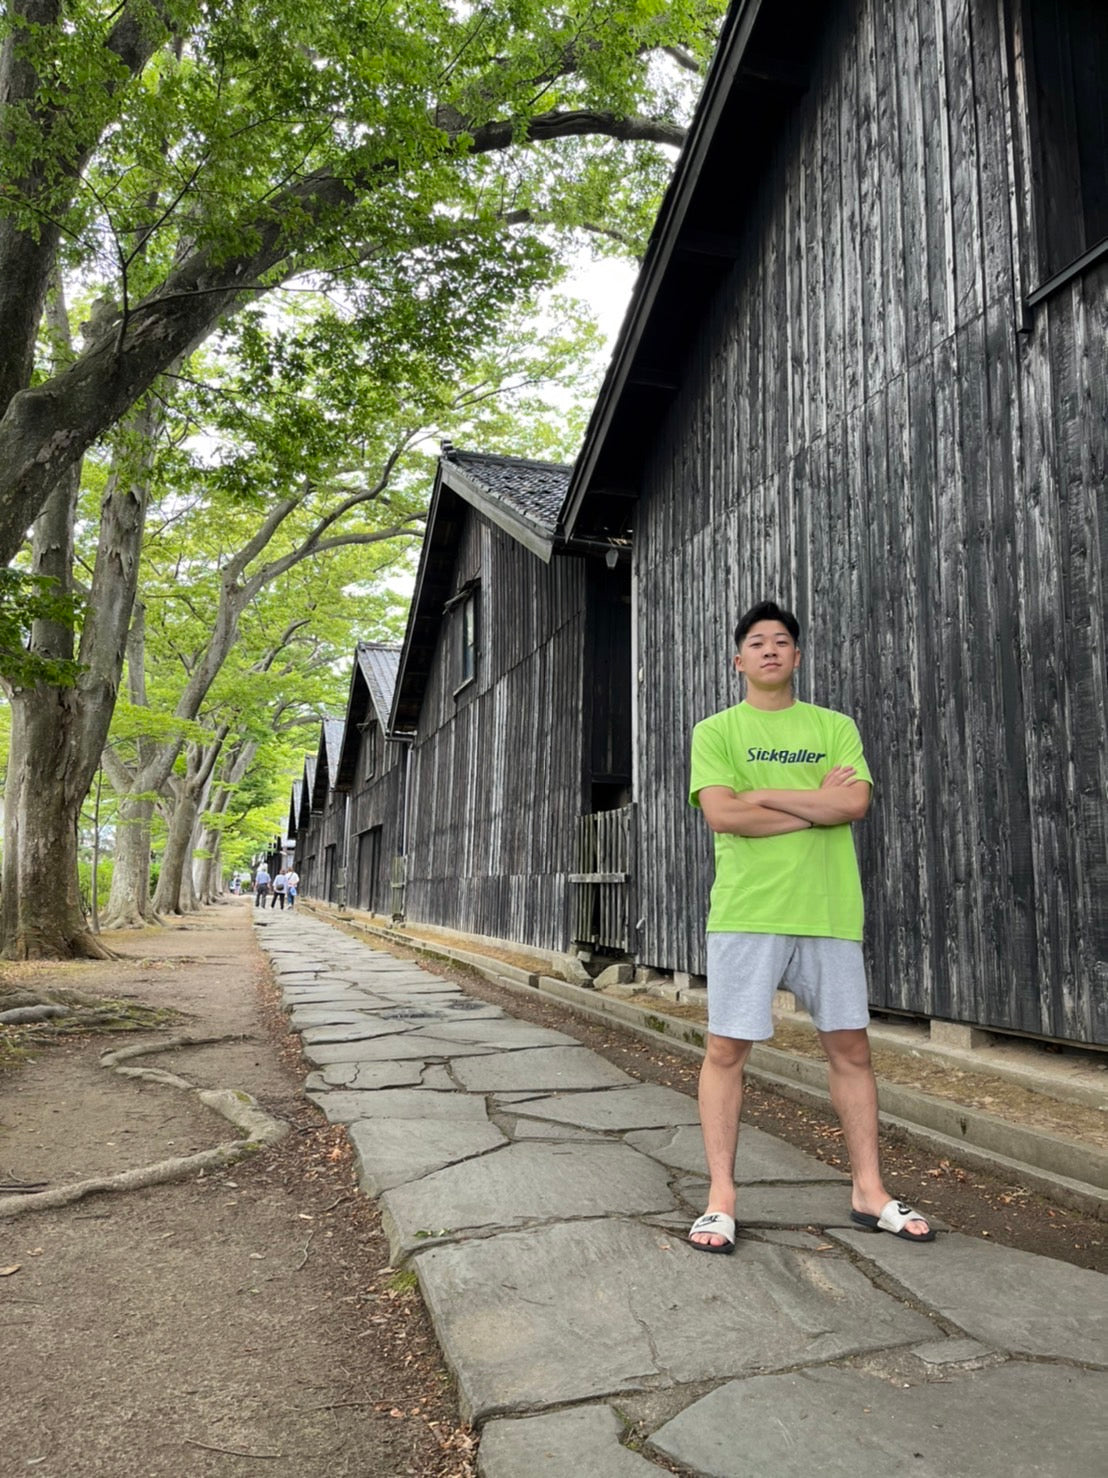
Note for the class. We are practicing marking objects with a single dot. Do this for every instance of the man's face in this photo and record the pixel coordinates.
(768, 656)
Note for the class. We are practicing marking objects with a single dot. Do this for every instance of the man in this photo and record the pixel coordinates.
(292, 883)
(780, 783)
(261, 885)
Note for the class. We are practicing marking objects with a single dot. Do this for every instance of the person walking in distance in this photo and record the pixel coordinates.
(280, 882)
(261, 885)
(780, 783)
(292, 884)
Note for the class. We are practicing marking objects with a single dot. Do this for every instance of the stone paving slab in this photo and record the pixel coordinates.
(581, 1443)
(452, 1008)
(600, 1296)
(1015, 1300)
(416, 981)
(302, 1018)
(424, 985)
(343, 998)
(526, 1183)
(760, 1156)
(817, 1205)
(400, 1103)
(838, 1423)
(367, 1030)
(391, 1152)
(390, 1049)
(438, 1077)
(398, 1008)
(790, 1237)
(944, 1352)
(540, 1067)
(601, 1307)
(534, 1129)
(366, 1076)
(427, 1010)
(385, 964)
(504, 1033)
(643, 1106)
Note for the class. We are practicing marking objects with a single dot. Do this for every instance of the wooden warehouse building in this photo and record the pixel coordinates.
(371, 773)
(321, 833)
(301, 834)
(514, 692)
(865, 372)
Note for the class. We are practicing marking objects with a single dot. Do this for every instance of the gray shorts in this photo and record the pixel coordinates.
(827, 976)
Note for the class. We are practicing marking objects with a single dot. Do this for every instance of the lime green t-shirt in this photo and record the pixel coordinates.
(803, 882)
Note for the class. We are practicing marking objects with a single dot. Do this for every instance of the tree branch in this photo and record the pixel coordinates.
(47, 427)
(684, 59)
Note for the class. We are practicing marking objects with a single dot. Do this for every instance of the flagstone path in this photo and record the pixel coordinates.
(542, 1197)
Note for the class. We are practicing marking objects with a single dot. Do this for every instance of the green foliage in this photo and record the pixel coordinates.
(25, 599)
(406, 181)
(351, 129)
(103, 882)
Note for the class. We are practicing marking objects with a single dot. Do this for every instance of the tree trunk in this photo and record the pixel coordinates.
(167, 896)
(175, 892)
(62, 729)
(48, 767)
(206, 869)
(129, 905)
(209, 874)
(40, 906)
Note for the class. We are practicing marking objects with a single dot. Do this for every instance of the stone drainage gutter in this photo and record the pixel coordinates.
(1069, 1173)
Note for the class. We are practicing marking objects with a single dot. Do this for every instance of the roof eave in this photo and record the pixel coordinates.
(539, 540)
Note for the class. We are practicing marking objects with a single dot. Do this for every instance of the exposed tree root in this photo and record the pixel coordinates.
(131, 918)
(113, 1058)
(61, 1012)
(22, 1014)
(14, 996)
(241, 1109)
(169, 1044)
(82, 945)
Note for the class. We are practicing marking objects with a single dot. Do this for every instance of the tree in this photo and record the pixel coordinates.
(62, 693)
(190, 160)
(342, 513)
(212, 154)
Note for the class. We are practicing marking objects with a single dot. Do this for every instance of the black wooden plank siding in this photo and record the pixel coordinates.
(497, 771)
(866, 432)
(376, 805)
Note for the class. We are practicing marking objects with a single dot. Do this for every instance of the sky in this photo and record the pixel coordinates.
(606, 285)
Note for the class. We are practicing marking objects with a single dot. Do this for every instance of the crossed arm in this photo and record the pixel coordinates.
(840, 799)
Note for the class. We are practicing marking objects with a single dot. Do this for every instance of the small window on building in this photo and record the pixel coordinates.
(468, 627)
(369, 749)
(1065, 46)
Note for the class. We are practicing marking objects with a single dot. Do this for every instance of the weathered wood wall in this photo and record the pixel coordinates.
(376, 805)
(305, 861)
(865, 433)
(497, 772)
(332, 847)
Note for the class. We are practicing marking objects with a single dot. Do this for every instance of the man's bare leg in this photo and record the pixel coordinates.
(720, 1096)
(854, 1098)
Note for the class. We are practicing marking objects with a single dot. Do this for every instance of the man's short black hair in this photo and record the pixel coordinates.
(766, 610)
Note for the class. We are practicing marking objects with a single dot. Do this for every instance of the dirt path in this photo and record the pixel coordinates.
(241, 1322)
(246, 1322)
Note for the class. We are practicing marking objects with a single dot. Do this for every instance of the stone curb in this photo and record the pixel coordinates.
(1072, 1174)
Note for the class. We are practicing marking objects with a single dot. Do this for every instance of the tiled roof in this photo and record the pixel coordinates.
(309, 786)
(379, 664)
(332, 739)
(294, 803)
(533, 490)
